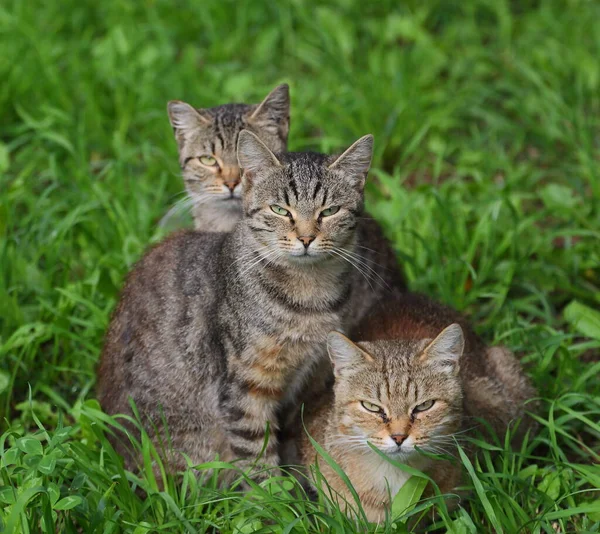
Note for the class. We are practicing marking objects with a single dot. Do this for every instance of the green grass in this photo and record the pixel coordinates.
(486, 116)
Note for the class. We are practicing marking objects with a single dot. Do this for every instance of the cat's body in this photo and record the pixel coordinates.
(397, 366)
(207, 143)
(221, 331)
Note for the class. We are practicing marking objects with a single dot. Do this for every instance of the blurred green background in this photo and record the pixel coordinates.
(486, 116)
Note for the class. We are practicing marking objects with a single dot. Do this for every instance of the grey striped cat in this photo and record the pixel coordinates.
(207, 138)
(222, 333)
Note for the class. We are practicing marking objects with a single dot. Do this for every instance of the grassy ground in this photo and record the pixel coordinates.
(486, 116)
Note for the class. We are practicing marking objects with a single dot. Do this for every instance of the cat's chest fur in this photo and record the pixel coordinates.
(375, 478)
(283, 360)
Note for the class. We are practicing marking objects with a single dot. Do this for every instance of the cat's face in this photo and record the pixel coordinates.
(207, 142)
(398, 395)
(302, 208)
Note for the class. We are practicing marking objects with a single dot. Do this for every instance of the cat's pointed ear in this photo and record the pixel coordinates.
(184, 117)
(356, 160)
(446, 349)
(254, 156)
(273, 113)
(344, 354)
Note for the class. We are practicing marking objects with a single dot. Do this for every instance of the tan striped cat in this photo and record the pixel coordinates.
(420, 376)
(207, 143)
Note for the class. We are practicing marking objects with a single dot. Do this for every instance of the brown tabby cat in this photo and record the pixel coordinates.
(219, 334)
(415, 380)
(207, 140)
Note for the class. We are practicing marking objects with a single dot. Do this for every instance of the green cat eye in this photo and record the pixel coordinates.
(370, 407)
(330, 211)
(279, 210)
(424, 406)
(209, 161)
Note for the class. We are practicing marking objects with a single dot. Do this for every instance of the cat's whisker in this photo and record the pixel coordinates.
(367, 278)
(365, 268)
(180, 206)
(365, 264)
(249, 254)
(249, 267)
(369, 249)
(270, 252)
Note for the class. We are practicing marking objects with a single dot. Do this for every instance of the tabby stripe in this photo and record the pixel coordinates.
(257, 229)
(186, 161)
(316, 191)
(293, 186)
(244, 452)
(253, 449)
(220, 138)
(212, 146)
(247, 434)
(235, 414)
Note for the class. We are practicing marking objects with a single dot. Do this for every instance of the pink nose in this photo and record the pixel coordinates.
(398, 438)
(231, 184)
(306, 240)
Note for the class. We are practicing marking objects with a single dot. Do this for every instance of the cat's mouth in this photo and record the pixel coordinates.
(306, 256)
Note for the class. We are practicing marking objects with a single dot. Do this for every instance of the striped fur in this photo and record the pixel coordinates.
(222, 332)
(398, 367)
(214, 191)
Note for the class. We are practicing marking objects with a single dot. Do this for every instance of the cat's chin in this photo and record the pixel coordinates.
(399, 455)
(305, 259)
(233, 201)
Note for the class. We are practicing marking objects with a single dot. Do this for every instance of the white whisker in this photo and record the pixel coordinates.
(362, 261)
(363, 273)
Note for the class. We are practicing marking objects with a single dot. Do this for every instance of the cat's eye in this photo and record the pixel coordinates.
(279, 210)
(370, 407)
(330, 211)
(209, 161)
(424, 406)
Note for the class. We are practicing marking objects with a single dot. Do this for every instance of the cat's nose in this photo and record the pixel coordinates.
(398, 438)
(306, 239)
(231, 184)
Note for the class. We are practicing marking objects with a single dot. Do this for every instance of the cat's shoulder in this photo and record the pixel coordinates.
(185, 245)
(182, 255)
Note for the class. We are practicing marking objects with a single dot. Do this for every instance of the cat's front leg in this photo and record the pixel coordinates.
(250, 418)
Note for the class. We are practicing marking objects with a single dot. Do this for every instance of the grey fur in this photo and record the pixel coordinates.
(214, 192)
(222, 332)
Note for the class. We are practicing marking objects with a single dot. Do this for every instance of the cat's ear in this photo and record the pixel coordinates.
(344, 354)
(446, 349)
(185, 118)
(273, 113)
(354, 163)
(254, 156)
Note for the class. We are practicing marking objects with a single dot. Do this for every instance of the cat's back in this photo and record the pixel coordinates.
(163, 313)
(413, 316)
(184, 265)
(409, 316)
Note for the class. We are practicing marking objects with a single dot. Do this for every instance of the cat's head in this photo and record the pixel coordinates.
(207, 140)
(397, 395)
(303, 207)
